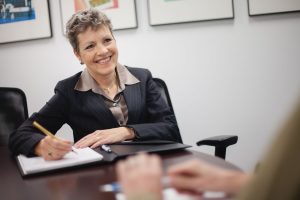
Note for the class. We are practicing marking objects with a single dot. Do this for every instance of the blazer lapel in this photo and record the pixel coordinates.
(132, 95)
(96, 105)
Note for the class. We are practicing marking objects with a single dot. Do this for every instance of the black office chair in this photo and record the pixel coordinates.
(166, 96)
(219, 142)
(13, 111)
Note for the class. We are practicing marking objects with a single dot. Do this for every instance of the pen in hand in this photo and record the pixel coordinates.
(46, 132)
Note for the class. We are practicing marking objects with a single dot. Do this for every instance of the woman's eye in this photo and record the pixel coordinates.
(107, 40)
(89, 46)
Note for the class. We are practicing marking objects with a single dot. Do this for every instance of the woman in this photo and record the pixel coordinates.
(106, 103)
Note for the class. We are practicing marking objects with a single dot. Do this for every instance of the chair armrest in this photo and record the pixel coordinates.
(221, 140)
(220, 143)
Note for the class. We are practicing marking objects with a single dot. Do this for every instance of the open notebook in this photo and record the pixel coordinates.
(34, 165)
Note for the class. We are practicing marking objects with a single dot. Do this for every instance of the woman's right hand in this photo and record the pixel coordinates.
(51, 148)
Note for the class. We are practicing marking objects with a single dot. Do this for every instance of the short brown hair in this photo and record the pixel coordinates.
(83, 20)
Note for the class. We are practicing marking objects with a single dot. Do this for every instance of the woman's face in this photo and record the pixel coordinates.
(98, 50)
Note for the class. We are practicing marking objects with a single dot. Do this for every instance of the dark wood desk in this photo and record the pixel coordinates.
(76, 184)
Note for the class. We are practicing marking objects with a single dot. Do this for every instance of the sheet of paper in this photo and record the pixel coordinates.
(172, 194)
(38, 164)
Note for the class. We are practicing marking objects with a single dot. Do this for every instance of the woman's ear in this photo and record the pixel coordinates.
(78, 56)
(76, 53)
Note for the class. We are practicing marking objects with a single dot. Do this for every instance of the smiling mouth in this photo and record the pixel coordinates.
(104, 60)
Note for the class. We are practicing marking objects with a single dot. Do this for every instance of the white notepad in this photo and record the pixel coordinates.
(38, 164)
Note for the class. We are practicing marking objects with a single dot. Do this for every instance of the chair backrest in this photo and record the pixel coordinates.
(220, 142)
(166, 96)
(13, 111)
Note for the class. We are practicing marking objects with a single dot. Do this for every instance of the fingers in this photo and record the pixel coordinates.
(186, 183)
(100, 141)
(191, 167)
(142, 164)
(100, 137)
(120, 169)
(130, 163)
(53, 148)
(143, 161)
(93, 140)
(58, 144)
(197, 176)
(140, 175)
(187, 176)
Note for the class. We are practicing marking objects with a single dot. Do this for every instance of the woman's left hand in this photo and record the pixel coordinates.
(107, 136)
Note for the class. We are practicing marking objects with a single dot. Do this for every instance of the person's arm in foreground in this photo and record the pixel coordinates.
(140, 177)
(195, 177)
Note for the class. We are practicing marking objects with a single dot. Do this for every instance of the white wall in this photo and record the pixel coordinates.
(237, 76)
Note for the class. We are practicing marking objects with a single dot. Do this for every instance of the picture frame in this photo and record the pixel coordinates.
(163, 12)
(122, 13)
(267, 7)
(24, 20)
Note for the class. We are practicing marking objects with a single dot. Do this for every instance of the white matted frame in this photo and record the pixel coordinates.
(181, 11)
(36, 28)
(123, 16)
(265, 7)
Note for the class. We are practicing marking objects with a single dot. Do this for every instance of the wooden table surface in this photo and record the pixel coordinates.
(78, 183)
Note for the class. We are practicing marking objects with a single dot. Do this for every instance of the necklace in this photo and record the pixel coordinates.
(108, 89)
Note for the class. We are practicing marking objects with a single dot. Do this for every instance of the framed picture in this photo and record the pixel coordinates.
(180, 11)
(24, 20)
(265, 7)
(122, 13)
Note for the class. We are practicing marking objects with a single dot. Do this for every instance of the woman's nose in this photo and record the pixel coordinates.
(101, 49)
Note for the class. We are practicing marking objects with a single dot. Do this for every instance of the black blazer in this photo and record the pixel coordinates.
(85, 112)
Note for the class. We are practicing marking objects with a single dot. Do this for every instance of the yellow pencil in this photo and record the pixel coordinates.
(45, 131)
(41, 128)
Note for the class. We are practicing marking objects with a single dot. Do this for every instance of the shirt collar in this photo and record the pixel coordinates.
(125, 77)
(87, 82)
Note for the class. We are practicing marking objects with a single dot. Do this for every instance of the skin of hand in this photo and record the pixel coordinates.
(107, 136)
(140, 177)
(195, 177)
(51, 148)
